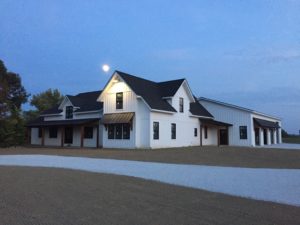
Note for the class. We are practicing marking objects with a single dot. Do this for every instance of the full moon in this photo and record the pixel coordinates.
(105, 68)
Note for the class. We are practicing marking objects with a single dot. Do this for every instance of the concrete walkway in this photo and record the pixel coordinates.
(284, 146)
(276, 185)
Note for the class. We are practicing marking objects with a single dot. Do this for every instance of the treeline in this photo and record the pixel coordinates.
(12, 117)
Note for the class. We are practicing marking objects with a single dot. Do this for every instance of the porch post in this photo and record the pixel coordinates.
(62, 136)
(218, 133)
(81, 136)
(261, 136)
(200, 133)
(268, 136)
(97, 145)
(275, 136)
(43, 136)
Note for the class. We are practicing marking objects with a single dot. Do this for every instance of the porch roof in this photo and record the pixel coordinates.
(265, 123)
(117, 118)
(215, 123)
(40, 122)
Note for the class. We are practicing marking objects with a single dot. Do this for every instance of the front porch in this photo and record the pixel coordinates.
(214, 132)
(266, 132)
(65, 133)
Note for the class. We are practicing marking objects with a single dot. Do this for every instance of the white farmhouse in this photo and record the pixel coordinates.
(132, 112)
(249, 127)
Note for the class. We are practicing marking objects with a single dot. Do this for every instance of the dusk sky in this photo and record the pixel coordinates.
(241, 52)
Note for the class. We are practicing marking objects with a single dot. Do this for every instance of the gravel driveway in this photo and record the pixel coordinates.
(276, 185)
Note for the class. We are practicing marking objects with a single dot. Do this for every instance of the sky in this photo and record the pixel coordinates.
(241, 52)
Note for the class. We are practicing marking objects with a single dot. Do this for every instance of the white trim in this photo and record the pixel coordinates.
(205, 117)
(63, 102)
(162, 111)
(59, 114)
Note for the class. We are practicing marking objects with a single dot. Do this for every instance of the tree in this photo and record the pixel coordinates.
(12, 96)
(46, 99)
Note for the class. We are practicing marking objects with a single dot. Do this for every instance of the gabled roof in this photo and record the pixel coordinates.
(169, 88)
(150, 91)
(237, 107)
(86, 101)
(198, 110)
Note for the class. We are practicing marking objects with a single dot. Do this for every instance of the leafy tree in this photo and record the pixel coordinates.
(284, 134)
(46, 99)
(12, 96)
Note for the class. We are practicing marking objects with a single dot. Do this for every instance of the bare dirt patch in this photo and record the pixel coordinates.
(216, 156)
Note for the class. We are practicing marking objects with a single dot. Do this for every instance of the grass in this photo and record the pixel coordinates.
(294, 140)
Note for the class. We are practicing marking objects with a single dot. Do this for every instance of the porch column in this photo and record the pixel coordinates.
(279, 136)
(261, 137)
(275, 136)
(62, 136)
(81, 136)
(43, 136)
(97, 145)
(200, 133)
(268, 136)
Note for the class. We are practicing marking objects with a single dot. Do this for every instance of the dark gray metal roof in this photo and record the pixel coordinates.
(265, 123)
(215, 123)
(117, 118)
(40, 122)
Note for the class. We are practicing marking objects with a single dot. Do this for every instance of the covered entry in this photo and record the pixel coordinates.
(214, 132)
(266, 132)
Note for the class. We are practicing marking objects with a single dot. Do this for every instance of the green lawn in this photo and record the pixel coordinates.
(295, 140)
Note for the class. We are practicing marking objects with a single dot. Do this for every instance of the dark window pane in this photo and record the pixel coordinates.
(155, 130)
(173, 131)
(180, 104)
(40, 132)
(119, 100)
(111, 131)
(118, 131)
(195, 132)
(52, 132)
(69, 112)
(126, 131)
(243, 132)
(88, 132)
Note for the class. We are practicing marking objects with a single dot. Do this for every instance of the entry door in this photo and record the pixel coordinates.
(223, 137)
(69, 135)
(257, 136)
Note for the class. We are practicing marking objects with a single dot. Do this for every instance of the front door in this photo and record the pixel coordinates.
(69, 135)
(257, 136)
(223, 137)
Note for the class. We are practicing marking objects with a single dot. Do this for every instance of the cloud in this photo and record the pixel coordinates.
(270, 55)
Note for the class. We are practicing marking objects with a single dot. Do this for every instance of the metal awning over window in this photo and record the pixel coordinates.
(265, 123)
(215, 123)
(117, 118)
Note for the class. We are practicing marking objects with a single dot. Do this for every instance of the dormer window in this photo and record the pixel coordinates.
(119, 100)
(181, 105)
(69, 112)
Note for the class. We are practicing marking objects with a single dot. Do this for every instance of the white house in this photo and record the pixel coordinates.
(249, 127)
(132, 112)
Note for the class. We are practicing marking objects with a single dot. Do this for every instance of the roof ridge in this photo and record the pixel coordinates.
(136, 77)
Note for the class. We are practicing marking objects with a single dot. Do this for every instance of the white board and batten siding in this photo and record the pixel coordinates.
(185, 124)
(233, 116)
(109, 106)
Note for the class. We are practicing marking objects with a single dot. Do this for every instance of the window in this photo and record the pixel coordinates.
(181, 105)
(155, 130)
(88, 132)
(195, 132)
(118, 130)
(173, 130)
(205, 132)
(243, 132)
(52, 132)
(126, 131)
(119, 100)
(69, 112)
(40, 132)
(111, 131)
